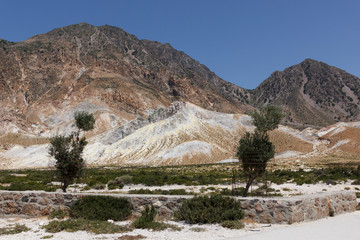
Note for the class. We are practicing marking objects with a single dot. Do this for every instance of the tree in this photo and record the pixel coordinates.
(255, 149)
(67, 150)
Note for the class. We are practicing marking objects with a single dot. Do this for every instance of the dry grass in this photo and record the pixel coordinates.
(19, 139)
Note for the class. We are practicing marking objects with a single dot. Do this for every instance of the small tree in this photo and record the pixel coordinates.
(255, 149)
(67, 151)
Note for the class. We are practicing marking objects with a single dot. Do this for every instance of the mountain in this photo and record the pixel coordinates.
(155, 105)
(103, 70)
(312, 93)
(181, 134)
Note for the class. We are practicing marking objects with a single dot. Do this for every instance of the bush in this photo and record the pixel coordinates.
(101, 208)
(59, 214)
(209, 209)
(232, 224)
(147, 221)
(115, 184)
(99, 186)
(72, 225)
(147, 218)
(17, 228)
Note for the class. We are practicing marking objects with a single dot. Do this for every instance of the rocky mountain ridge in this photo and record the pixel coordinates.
(106, 67)
(312, 93)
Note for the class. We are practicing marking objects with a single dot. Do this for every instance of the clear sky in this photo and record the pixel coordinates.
(242, 41)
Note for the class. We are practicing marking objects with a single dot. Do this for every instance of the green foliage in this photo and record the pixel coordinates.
(255, 149)
(115, 184)
(101, 208)
(68, 150)
(59, 214)
(84, 121)
(15, 229)
(68, 154)
(147, 218)
(232, 224)
(147, 221)
(161, 192)
(268, 118)
(31, 185)
(73, 225)
(209, 209)
(99, 186)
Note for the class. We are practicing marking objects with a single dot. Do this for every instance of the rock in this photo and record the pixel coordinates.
(30, 209)
(47, 210)
(43, 201)
(25, 199)
(11, 208)
(259, 208)
(158, 204)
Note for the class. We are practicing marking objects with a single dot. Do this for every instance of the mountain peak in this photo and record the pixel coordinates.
(313, 93)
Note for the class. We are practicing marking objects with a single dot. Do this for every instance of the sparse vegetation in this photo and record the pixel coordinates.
(94, 226)
(232, 224)
(147, 221)
(59, 214)
(14, 229)
(162, 192)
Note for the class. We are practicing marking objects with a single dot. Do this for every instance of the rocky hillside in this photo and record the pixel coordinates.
(104, 70)
(312, 93)
(181, 134)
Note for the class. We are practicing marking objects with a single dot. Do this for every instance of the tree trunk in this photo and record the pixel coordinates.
(64, 187)
(248, 184)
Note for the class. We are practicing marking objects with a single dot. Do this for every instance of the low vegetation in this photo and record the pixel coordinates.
(214, 174)
(14, 229)
(161, 192)
(94, 226)
(209, 209)
(101, 208)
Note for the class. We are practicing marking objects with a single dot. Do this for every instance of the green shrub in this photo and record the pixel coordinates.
(17, 228)
(101, 208)
(73, 225)
(59, 214)
(161, 192)
(115, 184)
(232, 224)
(99, 186)
(209, 209)
(147, 218)
(125, 179)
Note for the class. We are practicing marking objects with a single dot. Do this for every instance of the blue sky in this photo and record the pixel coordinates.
(242, 41)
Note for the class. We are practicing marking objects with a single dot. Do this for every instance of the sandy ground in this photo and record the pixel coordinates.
(209, 231)
(341, 227)
(286, 189)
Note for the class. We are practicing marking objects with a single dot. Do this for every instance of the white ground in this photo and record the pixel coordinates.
(341, 227)
(286, 189)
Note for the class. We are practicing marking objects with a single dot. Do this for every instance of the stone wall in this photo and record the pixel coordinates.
(298, 208)
(263, 210)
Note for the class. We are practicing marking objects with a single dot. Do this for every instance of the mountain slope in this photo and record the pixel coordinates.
(104, 67)
(188, 135)
(312, 93)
